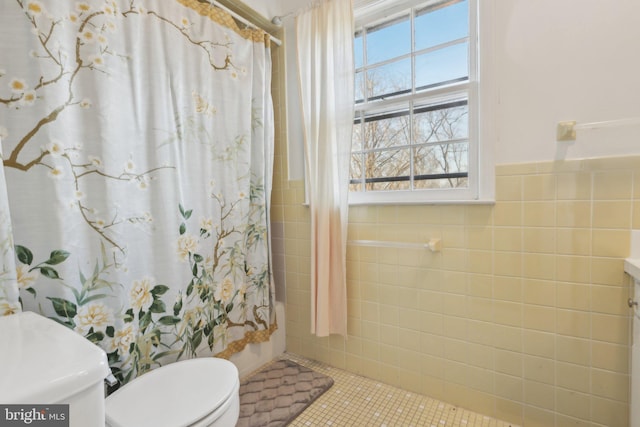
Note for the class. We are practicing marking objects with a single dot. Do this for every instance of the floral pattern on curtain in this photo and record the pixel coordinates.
(137, 139)
(9, 296)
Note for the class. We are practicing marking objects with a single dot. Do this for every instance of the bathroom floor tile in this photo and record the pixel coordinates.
(358, 401)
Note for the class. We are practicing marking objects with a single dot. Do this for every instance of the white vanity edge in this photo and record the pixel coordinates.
(632, 267)
(632, 264)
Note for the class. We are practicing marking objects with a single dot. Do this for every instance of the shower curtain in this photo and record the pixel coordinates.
(137, 141)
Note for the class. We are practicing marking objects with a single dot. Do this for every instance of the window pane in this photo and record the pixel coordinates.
(356, 140)
(449, 162)
(359, 87)
(356, 172)
(442, 66)
(434, 123)
(389, 40)
(441, 25)
(389, 130)
(381, 167)
(357, 50)
(387, 186)
(441, 183)
(389, 80)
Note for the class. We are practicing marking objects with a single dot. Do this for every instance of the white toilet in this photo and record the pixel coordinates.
(43, 362)
(195, 393)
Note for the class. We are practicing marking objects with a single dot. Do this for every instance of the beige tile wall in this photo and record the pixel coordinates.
(521, 316)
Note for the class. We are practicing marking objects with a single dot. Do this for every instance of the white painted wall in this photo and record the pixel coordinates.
(271, 8)
(565, 60)
(554, 60)
(268, 9)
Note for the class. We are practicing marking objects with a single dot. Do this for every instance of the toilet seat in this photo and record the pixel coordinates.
(186, 393)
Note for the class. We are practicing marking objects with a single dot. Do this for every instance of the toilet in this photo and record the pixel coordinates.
(194, 393)
(44, 363)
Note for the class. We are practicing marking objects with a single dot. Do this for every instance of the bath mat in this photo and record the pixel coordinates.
(277, 394)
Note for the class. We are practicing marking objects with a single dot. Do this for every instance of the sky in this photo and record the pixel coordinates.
(431, 29)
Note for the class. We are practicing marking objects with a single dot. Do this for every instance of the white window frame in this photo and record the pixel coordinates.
(480, 174)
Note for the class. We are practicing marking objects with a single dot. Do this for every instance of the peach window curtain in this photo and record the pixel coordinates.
(326, 72)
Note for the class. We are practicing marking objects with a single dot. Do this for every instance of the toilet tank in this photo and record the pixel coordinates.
(43, 362)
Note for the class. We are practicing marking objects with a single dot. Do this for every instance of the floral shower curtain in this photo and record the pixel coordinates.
(9, 295)
(138, 140)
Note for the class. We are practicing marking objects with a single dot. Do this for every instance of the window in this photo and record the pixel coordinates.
(415, 136)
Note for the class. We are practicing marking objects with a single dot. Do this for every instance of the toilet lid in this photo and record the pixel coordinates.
(177, 395)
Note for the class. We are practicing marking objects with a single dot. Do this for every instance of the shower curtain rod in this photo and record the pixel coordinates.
(243, 20)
